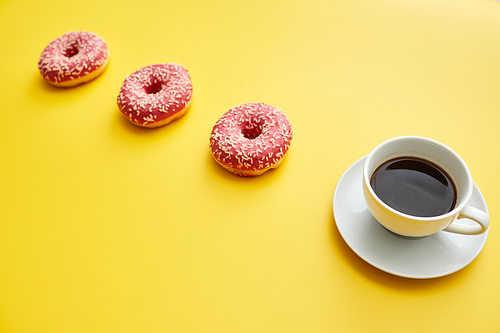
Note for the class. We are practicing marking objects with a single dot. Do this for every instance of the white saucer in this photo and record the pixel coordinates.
(437, 255)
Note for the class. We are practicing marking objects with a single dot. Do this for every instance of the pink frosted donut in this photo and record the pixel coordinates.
(74, 58)
(250, 139)
(155, 95)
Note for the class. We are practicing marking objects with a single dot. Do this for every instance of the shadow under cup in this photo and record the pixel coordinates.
(426, 149)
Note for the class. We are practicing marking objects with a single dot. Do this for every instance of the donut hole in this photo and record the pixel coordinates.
(153, 88)
(71, 51)
(251, 133)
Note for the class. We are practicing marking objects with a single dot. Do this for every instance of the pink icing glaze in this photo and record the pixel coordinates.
(252, 136)
(155, 93)
(72, 56)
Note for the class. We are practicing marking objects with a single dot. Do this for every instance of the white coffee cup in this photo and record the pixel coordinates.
(416, 226)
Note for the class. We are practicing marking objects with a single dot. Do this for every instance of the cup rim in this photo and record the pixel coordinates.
(457, 209)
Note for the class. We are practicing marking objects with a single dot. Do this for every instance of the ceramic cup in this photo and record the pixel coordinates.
(415, 226)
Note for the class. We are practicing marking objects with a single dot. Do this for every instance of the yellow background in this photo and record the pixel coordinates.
(107, 227)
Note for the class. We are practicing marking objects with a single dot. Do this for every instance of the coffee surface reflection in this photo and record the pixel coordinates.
(414, 186)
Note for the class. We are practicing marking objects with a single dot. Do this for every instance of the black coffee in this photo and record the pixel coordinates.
(414, 186)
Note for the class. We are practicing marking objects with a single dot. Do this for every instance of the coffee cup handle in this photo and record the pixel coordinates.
(476, 215)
